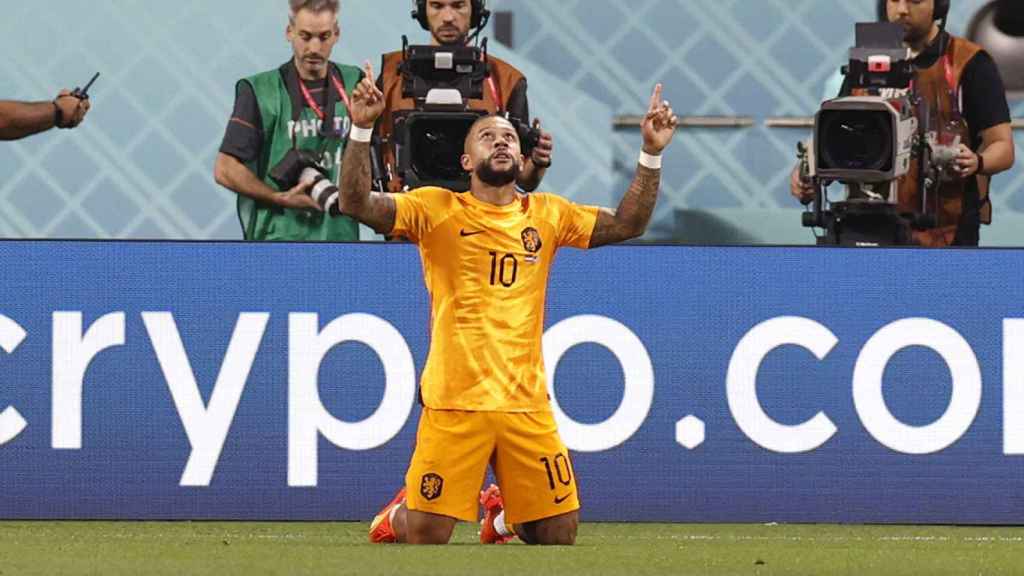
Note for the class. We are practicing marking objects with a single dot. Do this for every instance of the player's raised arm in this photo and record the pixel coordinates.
(634, 213)
(376, 210)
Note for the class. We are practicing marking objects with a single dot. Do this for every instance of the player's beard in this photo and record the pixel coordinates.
(497, 178)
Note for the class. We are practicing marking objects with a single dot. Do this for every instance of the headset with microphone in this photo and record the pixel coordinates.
(941, 11)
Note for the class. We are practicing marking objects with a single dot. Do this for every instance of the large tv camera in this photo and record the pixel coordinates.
(429, 140)
(869, 142)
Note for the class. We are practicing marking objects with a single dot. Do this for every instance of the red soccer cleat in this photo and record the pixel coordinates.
(380, 529)
(493, 506)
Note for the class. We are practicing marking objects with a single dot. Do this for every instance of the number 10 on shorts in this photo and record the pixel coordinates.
(558, 468)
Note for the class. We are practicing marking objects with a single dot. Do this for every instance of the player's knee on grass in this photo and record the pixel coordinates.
(424, 528)
(555, 531)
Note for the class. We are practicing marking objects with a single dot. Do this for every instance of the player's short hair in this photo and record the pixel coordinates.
(315, 6)
(481, 120)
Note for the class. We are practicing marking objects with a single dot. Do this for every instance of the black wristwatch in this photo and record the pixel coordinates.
(58, 117)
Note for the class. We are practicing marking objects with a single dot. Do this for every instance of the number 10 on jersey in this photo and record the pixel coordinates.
(504, 270)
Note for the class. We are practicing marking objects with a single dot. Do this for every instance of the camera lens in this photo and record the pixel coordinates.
(310, 175)
(323, 191)
(437, 146)
(856, 140)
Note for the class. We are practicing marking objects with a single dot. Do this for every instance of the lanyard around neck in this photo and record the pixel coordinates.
(495, 93)
(316, 107)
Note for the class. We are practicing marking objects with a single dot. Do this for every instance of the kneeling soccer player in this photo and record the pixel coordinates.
(486, 258)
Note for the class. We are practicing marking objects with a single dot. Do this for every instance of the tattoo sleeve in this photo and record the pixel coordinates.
(634, 213)
(375, 209)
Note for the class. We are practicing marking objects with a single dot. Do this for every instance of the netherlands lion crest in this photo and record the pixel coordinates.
(431, 486)
(531, 240)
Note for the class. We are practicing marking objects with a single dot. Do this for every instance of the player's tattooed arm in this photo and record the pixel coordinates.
(375, 209)
(634, 213)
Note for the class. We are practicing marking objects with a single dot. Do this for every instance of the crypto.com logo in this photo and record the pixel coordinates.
(208, 424)
(766, 432)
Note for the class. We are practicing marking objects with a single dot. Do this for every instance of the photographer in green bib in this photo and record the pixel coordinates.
(283, 145)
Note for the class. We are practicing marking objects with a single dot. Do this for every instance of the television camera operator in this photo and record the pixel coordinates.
(960, 86)
(455, 24)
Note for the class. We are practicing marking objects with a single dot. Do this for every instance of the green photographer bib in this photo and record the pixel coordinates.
(277, 105)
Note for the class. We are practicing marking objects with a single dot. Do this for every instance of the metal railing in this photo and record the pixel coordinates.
(632, 121)
(804, 122)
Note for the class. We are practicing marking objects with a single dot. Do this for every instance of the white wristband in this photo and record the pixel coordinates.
(649, 161)
(358, 134)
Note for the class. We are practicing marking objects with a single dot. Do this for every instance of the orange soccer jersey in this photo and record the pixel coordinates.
(486, 269)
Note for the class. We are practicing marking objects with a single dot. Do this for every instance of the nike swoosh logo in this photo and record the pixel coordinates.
(465, 234)
(563, 498)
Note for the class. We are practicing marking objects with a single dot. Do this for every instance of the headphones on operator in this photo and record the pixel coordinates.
(481, 15)
(941, 11)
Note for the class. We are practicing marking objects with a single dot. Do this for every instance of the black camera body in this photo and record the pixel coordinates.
(428, 68)
(430, 139)
(879, 60)
(300, 166)
(868, 142)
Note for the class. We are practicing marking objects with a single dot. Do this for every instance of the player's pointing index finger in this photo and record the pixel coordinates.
(655, 98)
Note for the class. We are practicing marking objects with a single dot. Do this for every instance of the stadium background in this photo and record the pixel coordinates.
(141, 167)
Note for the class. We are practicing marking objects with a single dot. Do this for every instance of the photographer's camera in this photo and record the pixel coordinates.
(302, 166)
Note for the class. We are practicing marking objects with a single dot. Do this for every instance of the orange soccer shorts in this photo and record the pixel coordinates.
(530, 462)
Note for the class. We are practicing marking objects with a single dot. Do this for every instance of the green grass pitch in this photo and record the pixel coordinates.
(224, 549)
